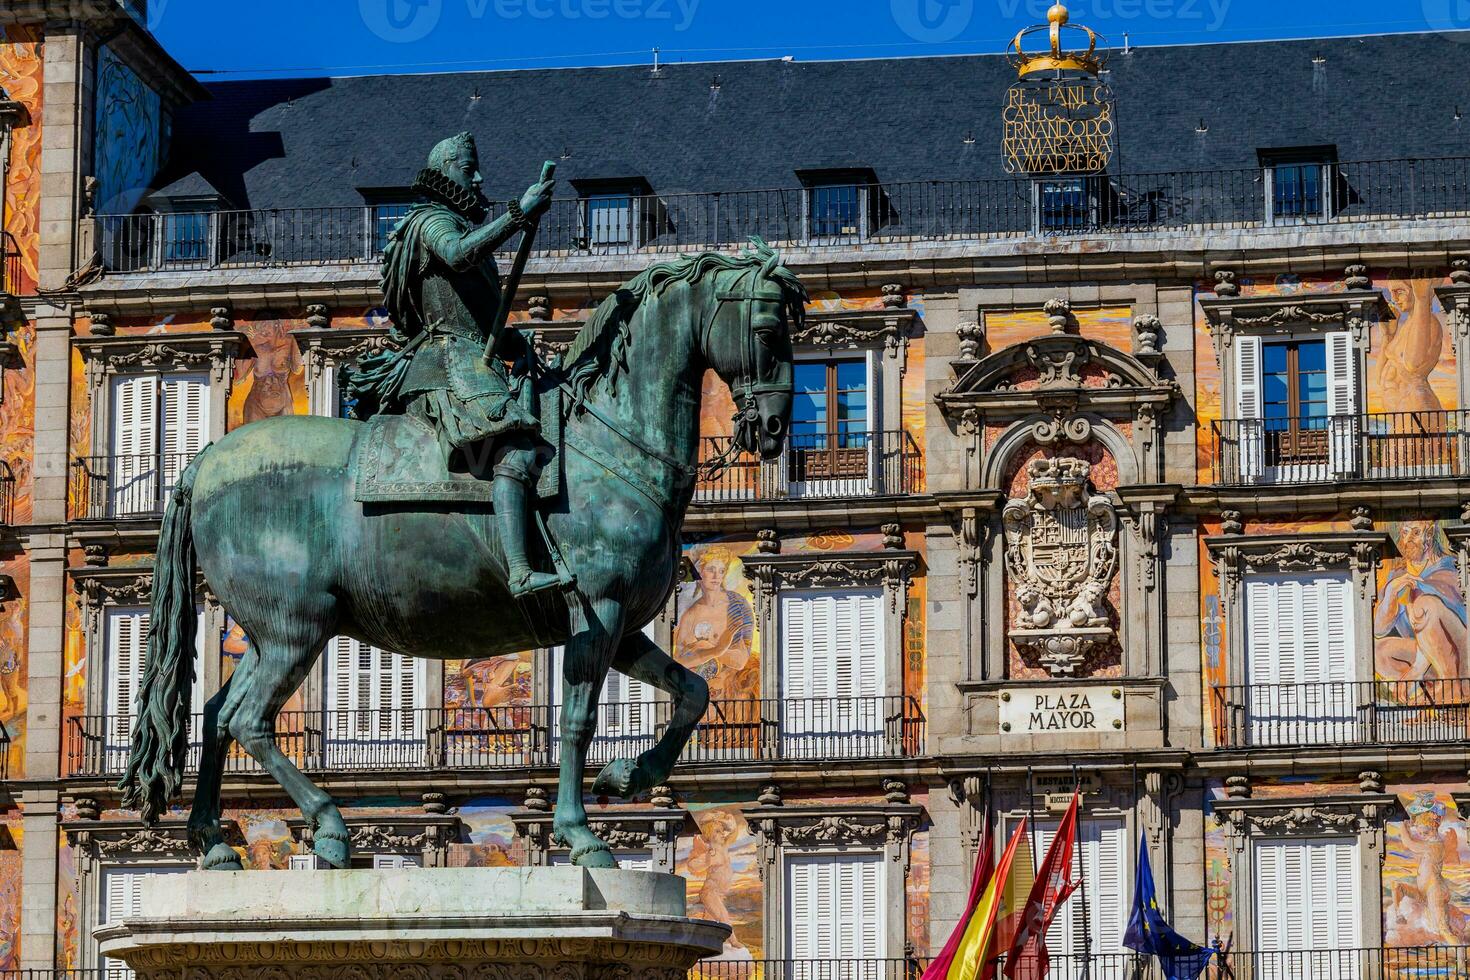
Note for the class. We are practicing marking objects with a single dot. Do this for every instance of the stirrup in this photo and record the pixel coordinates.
(534, 582)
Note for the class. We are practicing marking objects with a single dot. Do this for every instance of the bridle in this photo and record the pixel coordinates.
(749, 389)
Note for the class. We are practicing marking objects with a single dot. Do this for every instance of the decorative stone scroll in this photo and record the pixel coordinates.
(215, 350)
(888, 328)
(1061, 552)
(655, 830)
(1229, 315)
(426, 836)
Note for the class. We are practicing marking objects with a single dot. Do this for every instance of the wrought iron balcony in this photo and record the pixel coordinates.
(7, 494)
(770, 730)
(1342, 713)
(1379, 446)
(793, 218)
(110, 488)
(797, 969)
(815, 467)
(9, 268)
(1381, 963)
(4, 754)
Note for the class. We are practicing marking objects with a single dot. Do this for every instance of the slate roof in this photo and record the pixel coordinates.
(320, 142)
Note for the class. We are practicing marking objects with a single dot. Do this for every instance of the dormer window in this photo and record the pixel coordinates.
(616, 215)
(841, 205)
(186, 223)
(386, 207)
(1299, 183)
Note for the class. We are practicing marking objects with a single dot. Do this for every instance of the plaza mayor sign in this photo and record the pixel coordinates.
(1059, 116)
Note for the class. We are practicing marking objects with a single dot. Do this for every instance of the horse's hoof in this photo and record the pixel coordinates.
(596, 855)
(616, 779)
(333, 847)
(222, 857)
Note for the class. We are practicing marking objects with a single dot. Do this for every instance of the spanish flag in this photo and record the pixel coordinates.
(967, 955)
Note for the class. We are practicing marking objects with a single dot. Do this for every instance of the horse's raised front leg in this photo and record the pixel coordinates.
(596, 630)
(278, 674)
(204, 825)
(642, 659)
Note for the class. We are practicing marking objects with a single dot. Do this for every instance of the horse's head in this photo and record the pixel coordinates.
(748, 344)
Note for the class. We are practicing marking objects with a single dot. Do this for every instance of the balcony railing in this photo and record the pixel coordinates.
(7, 494)
(9, 265)
(814, 467)
(810, 729)
(1384, 963)
(793, 218)
(1379, 446)
(126, 487)
(1342, 713)
(4, 754)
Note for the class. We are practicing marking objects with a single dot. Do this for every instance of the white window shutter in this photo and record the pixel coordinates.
(372, 693)
(1307, 894)
(1342, 403)
(383, 861)
(133, 470)
(127, 646)
(625, 709)
(122, 896)
(1251, 436)
(832, 659)
(1101, 860)
(302, 862)
(185, 416)
(835, 906)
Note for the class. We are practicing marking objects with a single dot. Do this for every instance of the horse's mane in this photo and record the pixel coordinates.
(600, 349)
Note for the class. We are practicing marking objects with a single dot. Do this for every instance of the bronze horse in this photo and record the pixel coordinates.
(269, 514)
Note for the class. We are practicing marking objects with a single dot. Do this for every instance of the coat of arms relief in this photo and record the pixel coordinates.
(1061, 551)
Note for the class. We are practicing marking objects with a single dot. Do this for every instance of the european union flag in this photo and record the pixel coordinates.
(1149, 933)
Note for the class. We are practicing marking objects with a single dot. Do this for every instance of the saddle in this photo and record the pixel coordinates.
(396, 459)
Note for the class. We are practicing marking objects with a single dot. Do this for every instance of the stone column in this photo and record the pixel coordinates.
(63, 143)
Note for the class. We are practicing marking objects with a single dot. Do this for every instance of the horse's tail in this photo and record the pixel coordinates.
(161, 730)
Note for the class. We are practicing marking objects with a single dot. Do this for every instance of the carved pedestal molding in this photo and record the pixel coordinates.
(972, 342)
(878, 828)
(426, 836)
(1225, 284)
(1061, 552)
(656, 831)
(1148, 334)
(1355, 277)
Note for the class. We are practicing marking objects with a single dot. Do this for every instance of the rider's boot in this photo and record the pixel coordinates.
(511, 494)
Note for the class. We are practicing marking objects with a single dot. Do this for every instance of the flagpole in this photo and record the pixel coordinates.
(1082, 876)
(1137, 835)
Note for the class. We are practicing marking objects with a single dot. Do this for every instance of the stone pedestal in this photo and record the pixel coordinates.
(559, 923)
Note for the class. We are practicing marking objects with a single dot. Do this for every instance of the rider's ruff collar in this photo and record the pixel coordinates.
(463, 201)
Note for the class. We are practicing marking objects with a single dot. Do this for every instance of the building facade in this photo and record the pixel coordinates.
(1149, 479)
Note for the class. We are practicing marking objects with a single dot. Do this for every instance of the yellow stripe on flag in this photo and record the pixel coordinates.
(969, 959)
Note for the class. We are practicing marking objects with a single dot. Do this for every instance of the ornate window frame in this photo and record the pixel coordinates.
(882, 334)
(1239, 555)
(105, 845)
(106, 356)
(1229, 315)
(892, 570)
(425, 836)
(655, 829)
(882, 828)
(1358, 816)
(102, 587)
(1455, 299)
(326, 351)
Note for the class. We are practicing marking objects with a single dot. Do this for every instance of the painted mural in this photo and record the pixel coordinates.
(1111, 325)
(13, 660)
(128, 137)
(272, 382)
(10, 891)
(716, 632)
(1419, 628)
(720, 865)
(1411, 363)
(21, 71)
(18, 424)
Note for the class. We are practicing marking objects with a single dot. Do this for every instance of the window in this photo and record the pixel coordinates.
(122, 896)
(125, 648)
(611, 219)
(1300, 658)
(1299, 183)
(1306, 898)
(373, 697)
(159, 424)
(836, 211)
(1297, 401)
(834, 911)
(386, 216)
(1064, 205)
(626, 712)
(831, 437)
(382, 861)
(627, 860)
(1099, 910)
(186, 237)
(832, 673)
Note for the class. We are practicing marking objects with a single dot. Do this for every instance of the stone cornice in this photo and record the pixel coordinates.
(212, 349)
(323, 346)
(1300, 551)
(116, 840)
(622, 830)
(121, 586)
(815, 827)
(391, 834)
(829, 329)
(1227, 316)
(890, 570)
(1361, 813)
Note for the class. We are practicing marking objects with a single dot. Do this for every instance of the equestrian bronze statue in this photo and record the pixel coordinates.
(410, 530)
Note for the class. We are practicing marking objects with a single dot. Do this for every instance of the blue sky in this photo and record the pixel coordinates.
(282, 38)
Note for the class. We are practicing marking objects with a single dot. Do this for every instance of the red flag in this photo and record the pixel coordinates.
(1052, 887)
(938, 968)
